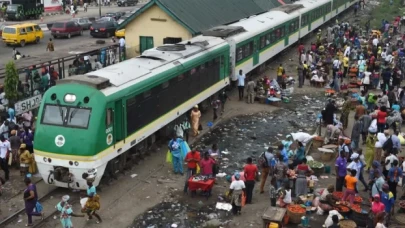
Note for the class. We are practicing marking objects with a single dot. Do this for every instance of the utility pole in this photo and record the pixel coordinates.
(99, 8)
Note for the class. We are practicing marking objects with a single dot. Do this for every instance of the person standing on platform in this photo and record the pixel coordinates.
(241, 84)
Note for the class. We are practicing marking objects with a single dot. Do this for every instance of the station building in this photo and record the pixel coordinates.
(171, 21)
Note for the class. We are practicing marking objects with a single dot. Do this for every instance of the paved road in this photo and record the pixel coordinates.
(38, 49)
(91, 12)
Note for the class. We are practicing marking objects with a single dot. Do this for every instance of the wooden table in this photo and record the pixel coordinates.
(273, 214)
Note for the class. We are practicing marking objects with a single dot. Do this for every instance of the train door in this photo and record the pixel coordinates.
(119, 118)
(256, 52)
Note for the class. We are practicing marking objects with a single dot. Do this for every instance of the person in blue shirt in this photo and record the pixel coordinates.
(299, 154)
(283, 153)
(396, 106)
(387, 198)
(177, 158)
(393, 177)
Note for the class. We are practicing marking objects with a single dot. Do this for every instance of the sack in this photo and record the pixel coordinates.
(243, 201)
(168, 157)
(38, 207)
(388, 145)
(263, 163)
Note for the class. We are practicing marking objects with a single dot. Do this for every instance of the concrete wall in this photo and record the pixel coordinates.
(155, 23)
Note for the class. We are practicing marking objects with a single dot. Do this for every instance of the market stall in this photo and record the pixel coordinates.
(202, 183)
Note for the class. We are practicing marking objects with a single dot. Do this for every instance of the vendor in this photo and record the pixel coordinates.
(272, 92)
(300, 154)
(301, 184)
(302, 137)
(327, 200)
(332, 134)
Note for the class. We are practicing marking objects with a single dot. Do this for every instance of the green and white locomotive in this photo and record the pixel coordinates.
(103, 119)
(88, 121)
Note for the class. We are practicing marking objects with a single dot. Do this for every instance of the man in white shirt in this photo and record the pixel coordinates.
(336, 66)
(5, 149)
(388, 58)
(122, 45)
(241, 84)
(347, 51)
(388, 163)
(4, 129)
(375, 41)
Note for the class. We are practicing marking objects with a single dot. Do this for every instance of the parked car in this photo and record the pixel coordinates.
(22, 34)
(122, 19)
(103, 19)
(66, 29)
(120, 33)
(103, 28)
(1, 28)
(127, 2)
(116, 16)
(84, 22)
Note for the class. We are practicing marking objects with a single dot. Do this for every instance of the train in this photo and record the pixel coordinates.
(101, 123)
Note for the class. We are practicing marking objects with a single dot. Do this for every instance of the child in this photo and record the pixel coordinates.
(273, 192)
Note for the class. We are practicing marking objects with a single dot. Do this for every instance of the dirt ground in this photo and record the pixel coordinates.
(156, 194)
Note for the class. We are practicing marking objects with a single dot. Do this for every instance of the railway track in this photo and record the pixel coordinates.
(47, 200)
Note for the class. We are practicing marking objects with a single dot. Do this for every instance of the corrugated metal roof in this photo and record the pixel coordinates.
(267, 4)
(201, 15)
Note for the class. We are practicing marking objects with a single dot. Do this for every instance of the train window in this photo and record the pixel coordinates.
(292, 27)
(239, 54)
(278, 34)
(268, 37)
(217, 60)
(181, 76)
(192, 71)
(109, 117)
(165, 85)
(78, 117)
(54, 115)
(273, 37)
(282, 32)
(210, 63)
(131, 101)
(247, 50)
(262, 42)
(202, 66)
(147, 94)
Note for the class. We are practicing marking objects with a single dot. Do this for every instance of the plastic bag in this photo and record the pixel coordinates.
(168, 157)
(198, 169)
(243, 201)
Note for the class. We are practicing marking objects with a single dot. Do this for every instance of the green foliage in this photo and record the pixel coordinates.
(11, 82)
(385, 11)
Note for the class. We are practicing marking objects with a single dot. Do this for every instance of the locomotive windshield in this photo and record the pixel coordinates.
(66, 116)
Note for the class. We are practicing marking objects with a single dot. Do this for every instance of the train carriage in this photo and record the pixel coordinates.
(89, 121)
(100, 122)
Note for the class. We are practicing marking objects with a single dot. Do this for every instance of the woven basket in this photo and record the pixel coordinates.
(294, 217)
(347, 224)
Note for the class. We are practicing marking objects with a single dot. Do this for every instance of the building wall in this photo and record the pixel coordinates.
(155, 23)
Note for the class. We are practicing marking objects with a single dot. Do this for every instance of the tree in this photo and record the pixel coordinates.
(11, 82)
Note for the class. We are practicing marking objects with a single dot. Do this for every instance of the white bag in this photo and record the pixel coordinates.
(329, 221)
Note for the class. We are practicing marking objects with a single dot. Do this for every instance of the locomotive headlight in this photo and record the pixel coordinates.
(44, 159)
(70, 98)
(76, 163)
